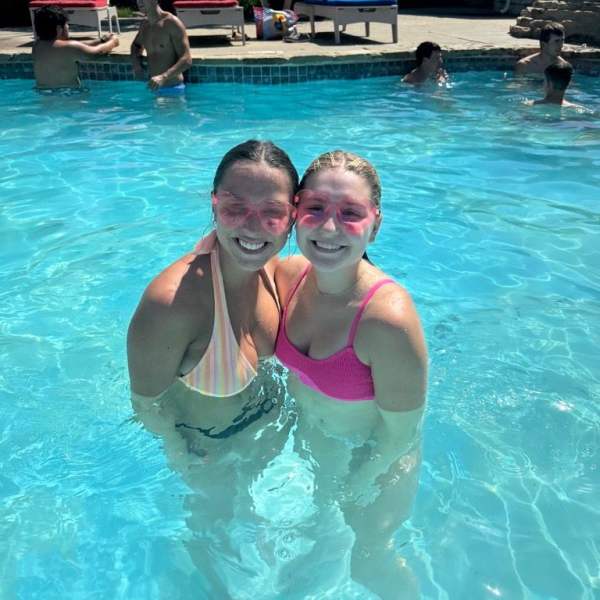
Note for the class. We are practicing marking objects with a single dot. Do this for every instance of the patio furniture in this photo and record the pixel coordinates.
(89, 13)
(200, 13)
(345, 12)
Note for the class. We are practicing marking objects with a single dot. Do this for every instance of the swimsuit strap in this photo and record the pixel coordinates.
(223, 370)
(294, 290)
(362, 307)
(206, 244)
(218, 285)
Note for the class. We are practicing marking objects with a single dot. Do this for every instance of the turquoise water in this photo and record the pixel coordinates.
(491, 220)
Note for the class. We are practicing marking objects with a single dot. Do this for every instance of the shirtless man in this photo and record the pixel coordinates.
(165, 40)
(557, 79)
(55, 56)
(429, 65)
(552, 38)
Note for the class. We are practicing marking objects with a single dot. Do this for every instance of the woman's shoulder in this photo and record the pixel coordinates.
(287, 272)
(291, 266)
(390, 317)
(182, 284)
(391, 340)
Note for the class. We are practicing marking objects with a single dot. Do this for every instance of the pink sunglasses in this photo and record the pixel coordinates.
(317, 207)
(274, 217)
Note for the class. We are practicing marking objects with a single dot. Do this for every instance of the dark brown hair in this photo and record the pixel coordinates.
(258, 152)
(551, 29)
(425, 50)
(559, 75)
(46, 20)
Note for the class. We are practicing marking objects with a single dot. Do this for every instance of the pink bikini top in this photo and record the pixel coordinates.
(342, 375)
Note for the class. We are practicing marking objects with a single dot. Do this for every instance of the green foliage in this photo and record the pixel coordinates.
(124, 12)
(248, 4)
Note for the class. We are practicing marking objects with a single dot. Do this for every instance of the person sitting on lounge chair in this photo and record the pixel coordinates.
(55, 56)
(429, 65)
(165, 40)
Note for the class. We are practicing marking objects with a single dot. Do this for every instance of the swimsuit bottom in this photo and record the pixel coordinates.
(171, 90)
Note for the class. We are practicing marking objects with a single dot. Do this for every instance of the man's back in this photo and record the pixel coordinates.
(55, 56)
(55, 64)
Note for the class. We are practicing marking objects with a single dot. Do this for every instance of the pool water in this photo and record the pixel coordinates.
(491, 220)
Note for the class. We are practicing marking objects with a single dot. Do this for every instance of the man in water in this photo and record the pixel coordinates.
(429, 65)
(552, 38)
(557, 79)
(56, 57)
(165, 40)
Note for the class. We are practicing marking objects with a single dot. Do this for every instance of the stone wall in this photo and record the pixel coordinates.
(581, 19)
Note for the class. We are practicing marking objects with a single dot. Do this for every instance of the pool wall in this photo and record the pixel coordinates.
(296, 70)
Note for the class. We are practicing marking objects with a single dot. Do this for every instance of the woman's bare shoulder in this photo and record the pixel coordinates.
(391, 341)
(287, 271)
(183, 282)
(391, 316)
(392, 300)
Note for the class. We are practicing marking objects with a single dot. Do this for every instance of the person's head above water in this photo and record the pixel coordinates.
(428, 51)
(338, 209)
(50, 22)
(146, 5)
(252, 196)
(552, 38)
(558, 77)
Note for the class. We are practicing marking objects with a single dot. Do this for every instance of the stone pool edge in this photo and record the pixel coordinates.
(297, 69)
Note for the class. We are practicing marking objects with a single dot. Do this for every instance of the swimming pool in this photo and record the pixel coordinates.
(491, 220)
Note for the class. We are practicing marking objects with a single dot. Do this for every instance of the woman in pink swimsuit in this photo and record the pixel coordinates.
(352, 340)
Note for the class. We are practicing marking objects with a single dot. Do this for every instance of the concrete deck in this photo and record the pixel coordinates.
(452, 33)
(455, 34)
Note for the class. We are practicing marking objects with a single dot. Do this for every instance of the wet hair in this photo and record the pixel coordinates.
(257, 151)
(46, 20)
(425, 50)
(551, 29)
(339, 159)
(559, 75)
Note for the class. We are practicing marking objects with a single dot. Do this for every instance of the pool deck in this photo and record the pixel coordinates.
(458, 35)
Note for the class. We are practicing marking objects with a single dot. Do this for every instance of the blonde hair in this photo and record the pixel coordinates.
(339, 159)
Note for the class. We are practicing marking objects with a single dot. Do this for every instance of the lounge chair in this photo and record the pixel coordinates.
(199, 13)
(89, 13)
(345, 12)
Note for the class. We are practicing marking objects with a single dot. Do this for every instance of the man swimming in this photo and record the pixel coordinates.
(55, 57)
(552, 38)
(429, 65)
(557, 80)
(165, 40)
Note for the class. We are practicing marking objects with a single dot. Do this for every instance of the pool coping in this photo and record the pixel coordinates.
(296, 69)
(469, 44)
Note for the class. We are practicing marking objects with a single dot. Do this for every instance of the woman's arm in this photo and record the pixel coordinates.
(156, 415)
(156, 343)
(393, 340)
(158, 337)
(161, 330)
